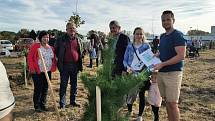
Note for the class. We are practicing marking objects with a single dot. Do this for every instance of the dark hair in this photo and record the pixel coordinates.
(41, 34)
(168, 12)
(53, 34)
(114, 22)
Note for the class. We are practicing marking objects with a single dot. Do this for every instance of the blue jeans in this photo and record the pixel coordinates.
(69, 71)
(40, 89)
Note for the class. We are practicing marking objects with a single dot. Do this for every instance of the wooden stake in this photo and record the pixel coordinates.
(98, 104)
(50, 85)
(25, 68)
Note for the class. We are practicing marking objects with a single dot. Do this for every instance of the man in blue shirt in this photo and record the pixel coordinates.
(172, 51)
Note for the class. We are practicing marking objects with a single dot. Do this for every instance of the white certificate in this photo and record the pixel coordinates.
(149, 59)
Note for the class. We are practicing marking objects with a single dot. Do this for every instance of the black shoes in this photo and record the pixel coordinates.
(90, 66)
(38, 110)
(129, 106)
(75, 105)
(41, 109)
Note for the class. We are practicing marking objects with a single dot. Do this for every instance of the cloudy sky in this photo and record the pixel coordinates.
(52, 14)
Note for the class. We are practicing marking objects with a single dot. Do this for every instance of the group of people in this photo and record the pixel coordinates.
(94, 49)
(66, 56)
(171, 51)
(193, 48)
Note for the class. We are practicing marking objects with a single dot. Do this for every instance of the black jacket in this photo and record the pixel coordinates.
(60, 50)
(121, 46)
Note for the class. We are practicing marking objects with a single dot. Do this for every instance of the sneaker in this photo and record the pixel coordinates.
(75, 104)
(139, 118)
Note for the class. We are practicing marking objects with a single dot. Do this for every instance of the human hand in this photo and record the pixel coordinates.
(129, 70)
(124, 73)
(156, 54)
(158, 66)
(33, 72)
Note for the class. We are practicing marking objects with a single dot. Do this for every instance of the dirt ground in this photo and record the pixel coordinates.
(197, 101)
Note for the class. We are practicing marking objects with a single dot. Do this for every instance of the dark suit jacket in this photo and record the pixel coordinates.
(121, 46)
(60, 50)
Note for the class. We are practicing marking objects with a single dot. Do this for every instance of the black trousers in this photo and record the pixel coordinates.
(142, 105)
(40, 89)
(91, 62)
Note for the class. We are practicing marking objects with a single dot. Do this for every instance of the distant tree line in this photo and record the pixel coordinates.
(197, 32)
(24, 33)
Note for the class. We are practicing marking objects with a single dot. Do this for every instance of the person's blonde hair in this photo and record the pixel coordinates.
(144, 36)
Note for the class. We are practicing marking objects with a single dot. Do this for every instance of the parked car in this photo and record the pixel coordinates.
(6, 44)
(4, 52)
(23, 43)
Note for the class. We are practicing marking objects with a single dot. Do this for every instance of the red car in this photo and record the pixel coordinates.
(23, 43)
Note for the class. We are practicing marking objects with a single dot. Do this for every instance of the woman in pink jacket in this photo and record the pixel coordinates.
(37, 71)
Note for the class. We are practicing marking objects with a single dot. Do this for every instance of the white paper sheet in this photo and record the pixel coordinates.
(149, 59)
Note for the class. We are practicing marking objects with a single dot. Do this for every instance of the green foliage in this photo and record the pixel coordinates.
(7, 35)
(99, 33)
(33, 35)
(57, 33)
(197, 32)
(113, 90)
(76, 19)
(23, 33)
(24, 52)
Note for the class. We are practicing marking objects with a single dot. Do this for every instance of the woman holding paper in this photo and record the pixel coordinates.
(134, 65)
(37, 71)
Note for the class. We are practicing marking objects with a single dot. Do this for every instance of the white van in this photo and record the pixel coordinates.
(6, 44)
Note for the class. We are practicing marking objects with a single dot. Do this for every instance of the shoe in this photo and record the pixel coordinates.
(129, 106)
(128, 114)
(89, 66)
(75, 105)
(62, 108)
(38, 110)
(139, 118)
(43, 108)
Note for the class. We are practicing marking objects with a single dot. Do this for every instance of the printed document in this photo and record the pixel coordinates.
(149, 59)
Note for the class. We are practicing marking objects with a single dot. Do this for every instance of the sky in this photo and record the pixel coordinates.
(53, 14)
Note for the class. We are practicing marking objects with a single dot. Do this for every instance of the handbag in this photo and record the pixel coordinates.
(93, 54)
(138, 65)
(154, 97)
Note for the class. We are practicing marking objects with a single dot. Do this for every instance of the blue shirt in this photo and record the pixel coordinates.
(167, 50)
(130, 52)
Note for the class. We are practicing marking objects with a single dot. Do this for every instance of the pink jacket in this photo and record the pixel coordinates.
(33, 58)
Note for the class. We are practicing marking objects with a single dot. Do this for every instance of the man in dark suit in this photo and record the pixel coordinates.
(120, 46)
(69, 62)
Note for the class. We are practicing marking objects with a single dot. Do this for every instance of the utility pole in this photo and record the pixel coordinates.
(190, 34)
(153, 27)
(76, 7)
